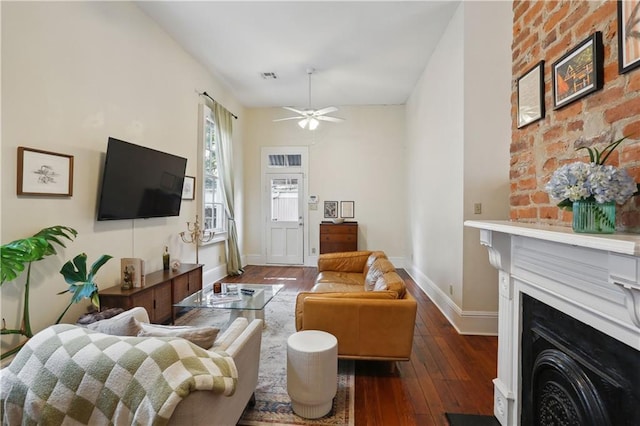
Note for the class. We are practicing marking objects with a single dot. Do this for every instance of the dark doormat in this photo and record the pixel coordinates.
(471, 420)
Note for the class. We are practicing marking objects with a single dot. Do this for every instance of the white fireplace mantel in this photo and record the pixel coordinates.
(593, 278)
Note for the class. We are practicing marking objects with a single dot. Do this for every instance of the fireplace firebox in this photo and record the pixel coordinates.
(573, 374)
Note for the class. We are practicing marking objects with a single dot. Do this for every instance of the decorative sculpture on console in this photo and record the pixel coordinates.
(196, 235)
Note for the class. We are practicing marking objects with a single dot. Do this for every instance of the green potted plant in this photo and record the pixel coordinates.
(20, 254)
(81, 283)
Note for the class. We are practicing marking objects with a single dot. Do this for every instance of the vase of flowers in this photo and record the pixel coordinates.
(593, 217)
(591, 190)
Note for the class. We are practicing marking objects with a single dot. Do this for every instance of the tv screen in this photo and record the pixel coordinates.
(140, 182)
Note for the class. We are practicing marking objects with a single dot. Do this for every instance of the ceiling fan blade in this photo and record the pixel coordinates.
(326, 110)
(297, 111)
(288, 118)
(326, 118)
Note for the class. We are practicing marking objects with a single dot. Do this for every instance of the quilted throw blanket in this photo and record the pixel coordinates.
(71, 375)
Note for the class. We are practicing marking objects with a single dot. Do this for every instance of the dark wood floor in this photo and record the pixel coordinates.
(447, 372)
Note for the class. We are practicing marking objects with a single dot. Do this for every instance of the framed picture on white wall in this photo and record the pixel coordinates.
(331, 209)
(44, 173)
(347, 209)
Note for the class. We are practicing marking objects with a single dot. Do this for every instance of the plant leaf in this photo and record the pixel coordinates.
(84, 290)
(95, 300)
(591, 155)
(98, 263)
(14, 255)
(566, 204)
(75, 270)
(611, 147)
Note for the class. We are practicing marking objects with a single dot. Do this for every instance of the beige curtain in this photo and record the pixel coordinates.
(224, 132)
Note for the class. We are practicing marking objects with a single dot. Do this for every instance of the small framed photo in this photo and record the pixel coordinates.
(531, 95)
(44, 173)
(331, 209)
(189, 188)
(579, 72)
(628, 35)
(346, 209)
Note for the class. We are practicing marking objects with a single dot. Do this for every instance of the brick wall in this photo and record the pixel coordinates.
(546, 30)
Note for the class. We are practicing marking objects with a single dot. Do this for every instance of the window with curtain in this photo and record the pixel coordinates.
(213, 207)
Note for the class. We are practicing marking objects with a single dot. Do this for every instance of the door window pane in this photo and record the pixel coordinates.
(284, 200)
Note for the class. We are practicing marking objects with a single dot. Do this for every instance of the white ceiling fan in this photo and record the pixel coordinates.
(311, 117)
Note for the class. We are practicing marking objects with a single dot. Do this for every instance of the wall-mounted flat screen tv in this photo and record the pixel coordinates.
(140, 182)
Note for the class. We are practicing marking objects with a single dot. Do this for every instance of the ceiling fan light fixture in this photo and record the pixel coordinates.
(310, 118)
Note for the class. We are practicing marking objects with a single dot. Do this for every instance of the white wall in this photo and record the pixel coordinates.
(360, 160)
(458, 123)
(73, 74)
(487, 112)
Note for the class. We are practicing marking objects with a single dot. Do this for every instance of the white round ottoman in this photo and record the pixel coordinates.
(312, 372)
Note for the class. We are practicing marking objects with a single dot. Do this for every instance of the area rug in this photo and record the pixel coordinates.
(471, 420)
(273, 405)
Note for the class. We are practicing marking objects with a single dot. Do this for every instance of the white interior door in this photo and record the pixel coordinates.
(285, 225)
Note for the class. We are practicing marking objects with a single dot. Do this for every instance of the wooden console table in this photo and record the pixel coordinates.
(161, 290)
(337, 237)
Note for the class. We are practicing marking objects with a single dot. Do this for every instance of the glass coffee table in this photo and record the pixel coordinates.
(246, 300)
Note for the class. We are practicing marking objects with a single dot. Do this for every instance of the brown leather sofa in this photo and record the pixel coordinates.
(360, 298)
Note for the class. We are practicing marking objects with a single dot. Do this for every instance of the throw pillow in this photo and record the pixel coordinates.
(201, 336)
(123, 324)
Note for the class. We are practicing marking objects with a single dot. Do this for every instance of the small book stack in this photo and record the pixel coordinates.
(132, 272)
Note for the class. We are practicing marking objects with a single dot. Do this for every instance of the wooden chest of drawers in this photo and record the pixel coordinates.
(336, 237)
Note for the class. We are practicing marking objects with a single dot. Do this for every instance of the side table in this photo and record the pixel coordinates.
(312, 372)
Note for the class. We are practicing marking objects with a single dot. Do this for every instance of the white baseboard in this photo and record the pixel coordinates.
(465, 322)
(258, 259)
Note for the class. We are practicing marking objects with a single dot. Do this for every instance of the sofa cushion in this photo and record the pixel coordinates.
(391, 281)
(330, 287)
(378, 268)
(201, 336)
(349, 278)
(123, 324)
(351, 261)
(372, 258)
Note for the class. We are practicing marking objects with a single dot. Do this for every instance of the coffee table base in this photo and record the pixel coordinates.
(249, 314)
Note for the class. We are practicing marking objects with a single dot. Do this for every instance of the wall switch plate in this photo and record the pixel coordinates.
(313, 250)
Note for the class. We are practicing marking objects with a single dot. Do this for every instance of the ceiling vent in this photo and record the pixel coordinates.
(269, 75)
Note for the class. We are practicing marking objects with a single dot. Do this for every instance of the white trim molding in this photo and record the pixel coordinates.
(483, 323)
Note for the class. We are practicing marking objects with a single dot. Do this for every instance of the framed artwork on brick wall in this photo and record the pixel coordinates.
(628, 35)
(579, 72)
(531, 95)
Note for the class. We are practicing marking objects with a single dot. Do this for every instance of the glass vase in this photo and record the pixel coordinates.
(594, 218)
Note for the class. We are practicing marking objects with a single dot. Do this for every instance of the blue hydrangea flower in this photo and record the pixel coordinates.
(582, 181)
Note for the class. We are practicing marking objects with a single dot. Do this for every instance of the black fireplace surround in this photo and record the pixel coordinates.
(573, 374)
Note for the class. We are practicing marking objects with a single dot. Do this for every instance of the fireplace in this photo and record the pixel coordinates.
(573, 374)
(568, 325)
